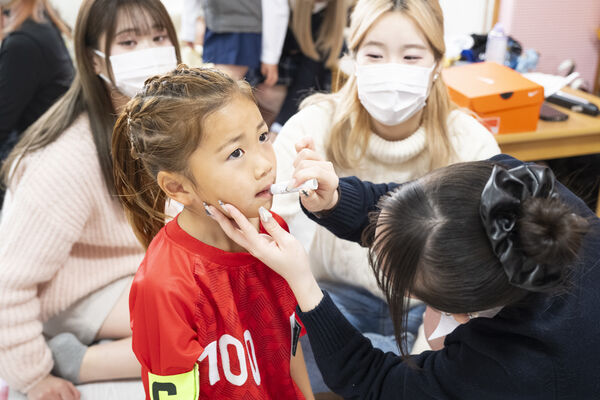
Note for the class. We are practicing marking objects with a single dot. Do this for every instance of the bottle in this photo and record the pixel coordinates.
(495, 48)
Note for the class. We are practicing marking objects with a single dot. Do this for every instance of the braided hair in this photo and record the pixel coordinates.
(157, 131)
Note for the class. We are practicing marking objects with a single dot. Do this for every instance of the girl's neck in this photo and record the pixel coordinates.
(397, 132)
(207, 230)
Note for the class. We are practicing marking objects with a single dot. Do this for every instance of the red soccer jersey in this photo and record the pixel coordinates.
(211, 324)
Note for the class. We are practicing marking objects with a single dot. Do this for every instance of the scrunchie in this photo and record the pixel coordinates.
(501, 207)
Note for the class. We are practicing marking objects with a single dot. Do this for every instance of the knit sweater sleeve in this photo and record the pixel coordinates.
(471, 366)
(349, 218)
(51, 199)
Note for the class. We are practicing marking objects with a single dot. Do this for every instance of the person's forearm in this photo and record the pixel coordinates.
(350, 216)
(300, 374)
(351, 367)
(307, 292)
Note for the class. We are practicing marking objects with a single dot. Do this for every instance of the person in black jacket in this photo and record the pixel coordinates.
(465, 238)
(35, 67)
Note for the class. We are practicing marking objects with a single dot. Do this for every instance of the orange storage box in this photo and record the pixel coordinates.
(504, 100)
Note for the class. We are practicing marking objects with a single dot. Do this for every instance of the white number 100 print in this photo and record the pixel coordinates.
(225, 341)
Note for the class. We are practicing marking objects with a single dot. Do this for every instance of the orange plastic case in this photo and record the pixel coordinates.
(504, 100)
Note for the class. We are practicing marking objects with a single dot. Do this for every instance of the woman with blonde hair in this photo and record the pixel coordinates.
(68, 254)
(391, 120)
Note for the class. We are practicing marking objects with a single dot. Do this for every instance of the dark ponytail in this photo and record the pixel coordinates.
(431, 241)
(549, 232)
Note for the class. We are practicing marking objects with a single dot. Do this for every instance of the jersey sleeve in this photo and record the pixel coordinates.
(164, 336)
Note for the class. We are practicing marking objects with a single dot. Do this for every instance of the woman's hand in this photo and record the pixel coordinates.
(280, 251)
(53, 388)
(270, 72)
(308, 165)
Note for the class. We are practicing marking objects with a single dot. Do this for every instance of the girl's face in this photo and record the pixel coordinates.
(394, 38)
(235, 162)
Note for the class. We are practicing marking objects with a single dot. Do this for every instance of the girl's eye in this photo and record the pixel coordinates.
(374, 56)
(264, 137)
(237, 153)
(127, 43)
(412, 58)
(160, 38)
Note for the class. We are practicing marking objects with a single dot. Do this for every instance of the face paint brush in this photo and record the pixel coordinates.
(282, 188)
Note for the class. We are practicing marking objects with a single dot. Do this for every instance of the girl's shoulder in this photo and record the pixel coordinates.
(314, 119)
(317, 108)
(460, 120)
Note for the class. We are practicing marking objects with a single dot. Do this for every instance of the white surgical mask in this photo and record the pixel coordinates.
(392, 93)
(448, 324)
(133, 68)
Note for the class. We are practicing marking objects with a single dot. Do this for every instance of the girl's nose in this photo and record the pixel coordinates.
(263, 167)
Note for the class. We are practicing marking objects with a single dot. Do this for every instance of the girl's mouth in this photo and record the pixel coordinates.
(264, 194)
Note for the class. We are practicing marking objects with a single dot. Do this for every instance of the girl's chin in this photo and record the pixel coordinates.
(251, 210)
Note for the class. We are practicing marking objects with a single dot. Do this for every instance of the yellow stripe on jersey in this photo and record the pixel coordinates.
(184, 386)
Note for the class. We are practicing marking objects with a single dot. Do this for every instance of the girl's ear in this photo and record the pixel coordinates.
(176, 187)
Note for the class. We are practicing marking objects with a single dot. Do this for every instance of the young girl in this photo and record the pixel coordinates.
(207, 317)
(392, 120)
(67, 254)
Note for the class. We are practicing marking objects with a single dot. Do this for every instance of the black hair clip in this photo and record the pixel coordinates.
(500, 209)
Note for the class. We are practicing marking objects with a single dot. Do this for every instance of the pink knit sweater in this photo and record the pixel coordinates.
(62, 236)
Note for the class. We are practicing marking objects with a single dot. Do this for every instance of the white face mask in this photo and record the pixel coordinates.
(392, 93)
(133, 68)
(448, 324)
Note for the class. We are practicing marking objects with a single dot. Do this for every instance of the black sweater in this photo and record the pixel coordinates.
(548, 349)
(35, 70)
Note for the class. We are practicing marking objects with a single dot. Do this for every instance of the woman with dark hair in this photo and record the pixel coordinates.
(68, 254)
(35, 66)
(497, 234)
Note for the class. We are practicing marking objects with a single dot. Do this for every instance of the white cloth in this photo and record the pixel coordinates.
(275, 17)
(192, 9)
(399, 161)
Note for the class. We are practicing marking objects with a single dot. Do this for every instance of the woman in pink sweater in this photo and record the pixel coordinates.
(67, 253)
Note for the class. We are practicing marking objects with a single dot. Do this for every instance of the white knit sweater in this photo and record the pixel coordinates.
(399, 161)
(63, 236)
